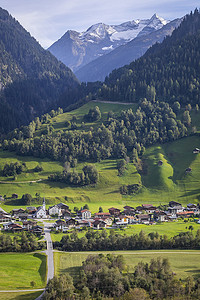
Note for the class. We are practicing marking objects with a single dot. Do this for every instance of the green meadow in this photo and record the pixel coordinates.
(160, 184)
(184, 263)
(19, 269)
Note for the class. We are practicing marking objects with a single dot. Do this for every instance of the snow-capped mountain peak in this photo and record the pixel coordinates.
(76, 49)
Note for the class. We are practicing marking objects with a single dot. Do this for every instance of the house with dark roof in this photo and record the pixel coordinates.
(99, 224)
(114, 211)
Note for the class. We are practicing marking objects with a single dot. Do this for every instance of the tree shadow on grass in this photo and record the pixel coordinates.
(195, 273)
(43, 266)
(113, 192)
(191, 193)
(73, 271)
(28, 296)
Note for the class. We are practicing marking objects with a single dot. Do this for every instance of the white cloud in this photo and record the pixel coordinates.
(47, 20)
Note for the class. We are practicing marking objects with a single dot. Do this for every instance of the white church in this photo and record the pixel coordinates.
(41, 211)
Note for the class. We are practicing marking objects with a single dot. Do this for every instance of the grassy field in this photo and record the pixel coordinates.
(19, 269)
(19, 296)
(58, 122)
(183, 263)
(160, 184)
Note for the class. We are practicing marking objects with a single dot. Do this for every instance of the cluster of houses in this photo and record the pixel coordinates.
(144, 214)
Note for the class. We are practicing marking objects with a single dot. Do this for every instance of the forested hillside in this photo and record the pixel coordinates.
(168, 71)
(32, 80)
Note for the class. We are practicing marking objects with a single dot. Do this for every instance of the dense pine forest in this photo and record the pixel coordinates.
(168, 71)
(32, 81)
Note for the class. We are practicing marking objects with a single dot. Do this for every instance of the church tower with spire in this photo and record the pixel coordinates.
(44, 204)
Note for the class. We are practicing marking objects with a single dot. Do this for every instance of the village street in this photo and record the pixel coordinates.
(49, 253)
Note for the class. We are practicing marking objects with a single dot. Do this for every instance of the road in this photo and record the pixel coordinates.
(49, 253)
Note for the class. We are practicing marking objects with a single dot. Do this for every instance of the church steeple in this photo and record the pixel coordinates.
(44, 205)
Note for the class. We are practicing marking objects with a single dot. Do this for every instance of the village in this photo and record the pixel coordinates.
(115, 218)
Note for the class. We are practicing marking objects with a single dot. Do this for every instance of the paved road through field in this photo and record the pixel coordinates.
(49, 253)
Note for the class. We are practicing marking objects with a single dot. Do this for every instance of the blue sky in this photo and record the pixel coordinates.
(48, 20)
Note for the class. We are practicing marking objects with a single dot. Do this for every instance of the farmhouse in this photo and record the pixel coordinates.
(128, 210)
(185, 214)
(28, 225)
(84, 214)
(114, 211)
(102, 215)
(99, 224)
(4, 217)
(54, 210)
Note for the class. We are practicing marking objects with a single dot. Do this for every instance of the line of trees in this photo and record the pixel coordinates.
(101, 240)
(23, 242)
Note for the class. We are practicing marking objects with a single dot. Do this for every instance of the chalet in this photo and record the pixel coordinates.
(144, 218)
(102, 215)
(84, 223)
(160, 163)
(31, 210)
(174, 210)
(17, 212)
(70, 222)
(84, 214)
(139, 210)
(28, 225)
(148, 208)
(121, 220)
(66, 214)
(174, 203)
(185, 214)
(63, 206)
(99, 224)
(114, 211)
(194, 208)
(41, 212)
(37, 229)
(128, 210)
(60, 225)
(14, 227)
(4, 217)
(23, 216)
(160, 216)
(196, 151)
(55, 210)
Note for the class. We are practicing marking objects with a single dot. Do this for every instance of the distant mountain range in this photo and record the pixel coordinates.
(76, 49)
(32, 80)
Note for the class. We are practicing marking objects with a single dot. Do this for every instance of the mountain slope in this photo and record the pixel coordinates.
(168, 71)
(31, 78)
(99, 68)
(76, 49)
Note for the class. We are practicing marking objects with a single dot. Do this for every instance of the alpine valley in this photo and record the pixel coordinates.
(104, 166)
